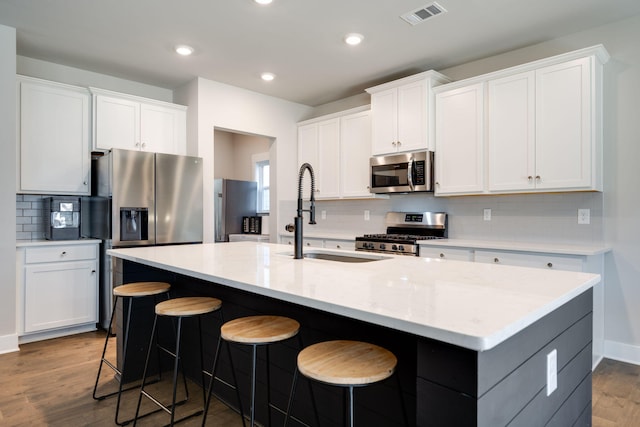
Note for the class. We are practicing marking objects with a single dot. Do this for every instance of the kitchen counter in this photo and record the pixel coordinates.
(472, 340)
(474, 306)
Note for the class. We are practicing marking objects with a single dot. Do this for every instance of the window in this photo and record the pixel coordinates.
(262, 177)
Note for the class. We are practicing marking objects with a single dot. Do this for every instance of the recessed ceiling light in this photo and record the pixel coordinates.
(353, 39)
(267, 77)
(184, 50)
(263, 1)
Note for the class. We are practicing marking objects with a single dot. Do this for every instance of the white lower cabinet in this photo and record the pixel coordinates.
(555, 262)
(319, 242)
(446, 253)
(57, 289)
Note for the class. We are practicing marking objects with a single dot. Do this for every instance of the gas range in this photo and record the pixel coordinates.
(404, 229)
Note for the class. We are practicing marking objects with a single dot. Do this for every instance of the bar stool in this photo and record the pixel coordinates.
(254, 331)
(345, 364)
(132, 291)
(178, 308)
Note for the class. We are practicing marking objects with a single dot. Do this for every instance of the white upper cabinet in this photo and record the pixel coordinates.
(338, 147)
(402, 113)
(355, 151)
(53, 138)
(511, 133)
(542, 127)
(459, 158)
(133, 123)
(565, 140)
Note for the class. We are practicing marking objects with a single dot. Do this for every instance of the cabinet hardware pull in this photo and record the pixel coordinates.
(63, 253)
(496, 260)
(529, 177)
(338, 247)
(393, 143)
(93, 272)
(399, 142)
(550, 264)
(538, 177)
(441, 255)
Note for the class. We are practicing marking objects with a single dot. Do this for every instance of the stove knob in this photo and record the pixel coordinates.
(383, 246)
(401, 248)
(394, 247)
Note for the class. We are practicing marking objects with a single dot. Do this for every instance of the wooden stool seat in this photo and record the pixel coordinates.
(187, 306)
(141, 289)
(346, 362)
(259, 329)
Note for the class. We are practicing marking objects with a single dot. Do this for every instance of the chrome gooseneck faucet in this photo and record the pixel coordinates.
(297, 225)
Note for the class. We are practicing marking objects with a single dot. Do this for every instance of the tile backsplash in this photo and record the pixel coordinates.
(29, 224)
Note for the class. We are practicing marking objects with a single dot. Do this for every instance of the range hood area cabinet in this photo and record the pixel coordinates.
(338, 147)
(53, 138)
(402, 113)
(134, 123)
(536, 127)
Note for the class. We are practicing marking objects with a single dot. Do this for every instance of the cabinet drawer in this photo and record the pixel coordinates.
(446, 253)
(60, 253)
(557, 262)
(347, 245)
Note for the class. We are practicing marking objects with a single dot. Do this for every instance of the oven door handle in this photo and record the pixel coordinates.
(410, 170)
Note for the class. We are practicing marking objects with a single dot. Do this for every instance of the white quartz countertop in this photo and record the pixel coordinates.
(550, 248)
(472, 305)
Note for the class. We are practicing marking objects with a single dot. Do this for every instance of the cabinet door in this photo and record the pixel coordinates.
(345, 245)
(117, 123)
(355, 149)
(459, 153)
(412, 117)
(384, 113)
(162, 129)
(60, 294)
(54, 140)
(327, 170)
(511, 137)
(564, 125)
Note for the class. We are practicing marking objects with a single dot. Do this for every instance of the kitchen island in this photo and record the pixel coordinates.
(472, 339)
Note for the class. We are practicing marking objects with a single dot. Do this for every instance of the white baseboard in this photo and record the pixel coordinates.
(622, 352)
(9, 343)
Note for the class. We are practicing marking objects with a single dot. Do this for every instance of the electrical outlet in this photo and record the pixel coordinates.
(552, 371)
(487, 214)
(323, 214)
(367, 215)
(584, 216)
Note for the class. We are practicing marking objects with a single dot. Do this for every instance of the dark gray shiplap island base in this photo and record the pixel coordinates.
(444, 382)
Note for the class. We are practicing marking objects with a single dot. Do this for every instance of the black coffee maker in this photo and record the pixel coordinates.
(61, 218)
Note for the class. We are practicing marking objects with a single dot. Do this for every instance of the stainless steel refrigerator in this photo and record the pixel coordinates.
(233, 200)
(142, 199)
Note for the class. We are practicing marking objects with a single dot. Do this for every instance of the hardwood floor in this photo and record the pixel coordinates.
(49, 383)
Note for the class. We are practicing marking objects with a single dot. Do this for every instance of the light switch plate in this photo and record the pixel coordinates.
(487, 214)
(552, 371)
(584, 216)
(367, 215)
(323, 214)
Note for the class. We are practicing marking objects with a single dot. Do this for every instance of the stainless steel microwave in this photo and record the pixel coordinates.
(402, 173)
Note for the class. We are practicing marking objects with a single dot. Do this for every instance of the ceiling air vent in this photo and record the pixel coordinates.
(422, 14)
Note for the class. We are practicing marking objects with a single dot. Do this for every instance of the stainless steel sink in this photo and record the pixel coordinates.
(349, 257)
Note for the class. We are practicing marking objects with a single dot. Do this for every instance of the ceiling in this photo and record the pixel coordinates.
(301, 41)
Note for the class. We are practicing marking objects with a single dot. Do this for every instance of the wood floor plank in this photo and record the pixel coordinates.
(49, 383)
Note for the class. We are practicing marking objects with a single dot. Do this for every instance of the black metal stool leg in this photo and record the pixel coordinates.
(253, 384)
(350, 406)
(175, 370)
(293, 391)
(146, 365)
(104, 351)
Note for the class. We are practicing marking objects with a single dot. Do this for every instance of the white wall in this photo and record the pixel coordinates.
(217, 105)
(8, 337)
